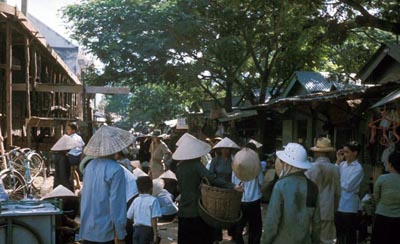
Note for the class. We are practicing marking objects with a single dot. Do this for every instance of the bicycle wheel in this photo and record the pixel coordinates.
(21, 233)
(37, 166)
(14, 184)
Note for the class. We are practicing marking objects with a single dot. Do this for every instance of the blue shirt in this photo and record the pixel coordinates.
(252, 188)
(168, 207)
(103, 202)
(351, 176)
(77, 150)
(143, 209)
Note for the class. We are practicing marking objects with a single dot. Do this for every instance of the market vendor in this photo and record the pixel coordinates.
(159, 154)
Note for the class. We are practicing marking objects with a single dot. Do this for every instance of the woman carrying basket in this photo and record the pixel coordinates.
(221, 167)
(190, 171)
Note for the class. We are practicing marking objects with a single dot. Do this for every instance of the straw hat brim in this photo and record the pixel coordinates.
(226, 143)
(65, 143)
(59, 192)
(108, 140)
(298, 164)
(323, 149)
(168, 175)
(191, 148)
(138, 172)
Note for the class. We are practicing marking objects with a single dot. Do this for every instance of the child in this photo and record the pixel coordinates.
(144, 211)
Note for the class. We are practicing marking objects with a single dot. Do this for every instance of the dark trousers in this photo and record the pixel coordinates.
(386, 230)
(194, 231)
(346, 228)
(142, 234)
(62, 171)
(251, 213)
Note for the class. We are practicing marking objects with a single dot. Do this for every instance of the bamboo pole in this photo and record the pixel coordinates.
(28, 93)
(3, 156)
(9, 83)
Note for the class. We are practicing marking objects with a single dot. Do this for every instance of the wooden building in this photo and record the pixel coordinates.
(38, 92)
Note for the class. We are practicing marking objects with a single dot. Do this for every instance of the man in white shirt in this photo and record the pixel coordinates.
(351, 175)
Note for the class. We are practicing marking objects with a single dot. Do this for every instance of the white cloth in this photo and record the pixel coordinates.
(103, 202)
(351, 176)
(252, 188)
(143, 209)
(326, 176)
(168, 207)
(77, 150)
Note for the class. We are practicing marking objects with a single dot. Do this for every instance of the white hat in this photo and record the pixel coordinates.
(136, 164)
(258, 145)
(59, 191)
(158, 186)
(108, 140)
(246, 164)
(191, 148)
(168, 175)
(65, 143)
(138, 172)
(323, 145)
(226, 143)
(179, 142)
(295, 155)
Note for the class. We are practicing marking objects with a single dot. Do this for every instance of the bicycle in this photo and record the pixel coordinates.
(13, 181)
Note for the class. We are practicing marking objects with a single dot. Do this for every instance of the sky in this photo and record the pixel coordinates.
(48, 12)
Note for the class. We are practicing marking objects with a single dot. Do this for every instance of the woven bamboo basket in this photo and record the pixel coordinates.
(220, 203)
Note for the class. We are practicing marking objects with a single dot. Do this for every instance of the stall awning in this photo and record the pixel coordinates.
(394, 95)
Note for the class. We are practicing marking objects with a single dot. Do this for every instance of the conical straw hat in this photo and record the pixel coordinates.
(226, 143)
(138, 172)
(108, 140)
(191, 148)
(179, 142)
(158, 186)
(246, 164)
(258, 145)
(65, 143)
(168, 175)
(59, 191)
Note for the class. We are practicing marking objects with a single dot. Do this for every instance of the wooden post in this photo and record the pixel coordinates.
(28, 93)
(9, 82)
(3, 156)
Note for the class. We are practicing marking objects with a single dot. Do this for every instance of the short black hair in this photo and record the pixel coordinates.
(73, 127)
(394, 160)
(353, 146)
(144, 184)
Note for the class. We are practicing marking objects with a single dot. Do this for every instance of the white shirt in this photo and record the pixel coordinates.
(168, 207)
(103, 203)
(351, 176)
(143, 209)
(77, 150)
(252, 188)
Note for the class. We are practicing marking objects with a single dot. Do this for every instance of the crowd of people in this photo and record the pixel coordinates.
(311, 202)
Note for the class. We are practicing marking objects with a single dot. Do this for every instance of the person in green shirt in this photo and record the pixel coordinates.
(387, 198)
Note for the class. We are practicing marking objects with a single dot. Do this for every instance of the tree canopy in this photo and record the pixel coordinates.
(225, 48)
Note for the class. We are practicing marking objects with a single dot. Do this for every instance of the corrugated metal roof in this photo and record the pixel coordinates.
(314, 81)
(395, 95)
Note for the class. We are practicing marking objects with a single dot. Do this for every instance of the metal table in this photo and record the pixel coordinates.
(28, 222)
